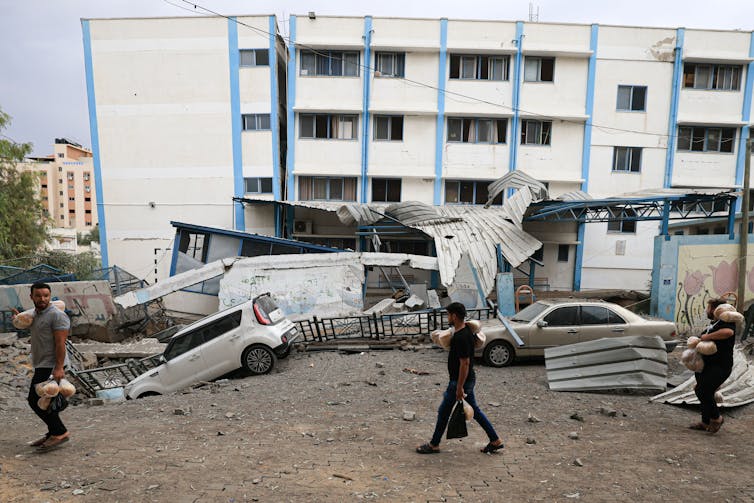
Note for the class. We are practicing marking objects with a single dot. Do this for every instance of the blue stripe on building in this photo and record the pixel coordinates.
(275, 123)
(235, 120)
(745, 116)
(94, 133)
(673, 115)
(291, 129)
(440, 128)
(365, 108)
(586, 153)
(513, 160)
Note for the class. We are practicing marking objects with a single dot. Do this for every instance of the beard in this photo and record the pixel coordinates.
(41, 305)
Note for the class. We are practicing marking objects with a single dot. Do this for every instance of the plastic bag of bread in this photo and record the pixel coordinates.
(706, 348)
(692, 360)
(693, 341)
(23, 320)
(44, 402)
(47, 388)
(66, 388)
(468, 411)
(476, 329)
(442, 337)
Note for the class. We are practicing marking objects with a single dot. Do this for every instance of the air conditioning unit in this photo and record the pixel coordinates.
(302, 226)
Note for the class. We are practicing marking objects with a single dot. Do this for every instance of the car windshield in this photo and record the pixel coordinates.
(530, 312)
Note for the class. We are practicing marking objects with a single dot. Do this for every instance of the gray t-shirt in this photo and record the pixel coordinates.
(42, 340)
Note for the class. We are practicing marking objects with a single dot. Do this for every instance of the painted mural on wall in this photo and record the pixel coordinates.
(705, 272)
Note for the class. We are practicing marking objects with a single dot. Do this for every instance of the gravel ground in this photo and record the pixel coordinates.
(333, 427)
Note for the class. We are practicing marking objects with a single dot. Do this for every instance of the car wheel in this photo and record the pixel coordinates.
(498, 354)
(147, 393)
(258, 359)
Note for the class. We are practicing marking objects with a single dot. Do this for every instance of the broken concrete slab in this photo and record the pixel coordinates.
(433, 299)
(414, 303)
(8, 339)
(382, 307)
(140, 349)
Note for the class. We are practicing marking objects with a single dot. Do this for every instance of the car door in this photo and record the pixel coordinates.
(184, 364)
(595, 323)
(561, 327)
(222, 346)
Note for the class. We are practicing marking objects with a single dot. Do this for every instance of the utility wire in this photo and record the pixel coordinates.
(430, 86)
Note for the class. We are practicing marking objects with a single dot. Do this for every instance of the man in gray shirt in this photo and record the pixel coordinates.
(49, 358)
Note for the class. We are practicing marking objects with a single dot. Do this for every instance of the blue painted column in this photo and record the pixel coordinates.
(745, 117)
(440, 128)
(586, 152)
(235, 123)
(367, 67)
(515, 140)
(673, 115)
(94, 133)
(290, 186)
(275, 124)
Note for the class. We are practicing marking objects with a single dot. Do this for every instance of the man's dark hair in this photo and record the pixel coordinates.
(713, 303)
(458, 309)
(39, 286)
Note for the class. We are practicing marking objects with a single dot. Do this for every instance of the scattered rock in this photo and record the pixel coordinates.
(578, 462)
(494, 404)
(371, 383)
(64, 484)
(182, 411)
(577, 417)
(607, 411)
(574, 435)
(153, 487)
(379, 365)
(573, 496)
(669, 461)
(531, 441)
(8, 339)
(96, 401)
(230, 415)
(532, 418)
(409, 415)
(78, 492)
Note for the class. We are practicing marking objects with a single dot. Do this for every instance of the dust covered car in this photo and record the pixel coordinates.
(557, 322)
(252, 335)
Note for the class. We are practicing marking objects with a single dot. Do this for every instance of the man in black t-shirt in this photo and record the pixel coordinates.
(461, 385)
(717, 368)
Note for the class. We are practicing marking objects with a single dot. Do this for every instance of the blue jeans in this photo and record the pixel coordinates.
(446, 407)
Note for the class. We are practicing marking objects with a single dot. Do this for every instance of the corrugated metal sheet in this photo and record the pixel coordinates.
(737, 390)
(517, 180)
(635, 362)
(576, 195)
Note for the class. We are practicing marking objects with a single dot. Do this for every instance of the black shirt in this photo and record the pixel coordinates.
(461, 346)
(724, 356)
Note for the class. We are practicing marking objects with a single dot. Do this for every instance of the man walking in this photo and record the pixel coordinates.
(49, 358)
(461, 384)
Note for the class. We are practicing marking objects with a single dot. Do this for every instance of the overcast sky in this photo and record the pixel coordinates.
(42, 83)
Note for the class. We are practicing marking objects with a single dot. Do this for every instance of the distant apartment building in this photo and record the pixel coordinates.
(382, 110)
(66, 185)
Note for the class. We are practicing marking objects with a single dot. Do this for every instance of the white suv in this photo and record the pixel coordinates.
(251, 335)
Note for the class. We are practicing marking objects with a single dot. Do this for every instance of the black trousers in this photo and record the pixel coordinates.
(707, 382)
(52, 419)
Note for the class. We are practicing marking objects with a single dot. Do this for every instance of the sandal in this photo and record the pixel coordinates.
(39, 441)
(491, 448)
(427, 449)
(54, 441)
(698, 426)
(714, 426)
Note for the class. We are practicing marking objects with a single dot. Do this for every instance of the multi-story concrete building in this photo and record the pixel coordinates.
(66, 185)
(432, 110)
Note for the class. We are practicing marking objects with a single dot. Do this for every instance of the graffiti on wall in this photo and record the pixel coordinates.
(705, 272)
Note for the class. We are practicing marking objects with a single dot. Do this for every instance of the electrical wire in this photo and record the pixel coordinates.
(528, 113)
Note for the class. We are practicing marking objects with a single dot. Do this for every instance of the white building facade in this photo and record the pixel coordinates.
(388, 109)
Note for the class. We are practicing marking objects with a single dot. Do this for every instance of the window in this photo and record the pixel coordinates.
(386, 190)
(88, 224)
(60, 180)
(632, 98)
(329, 64)
(623, 226)
(627, 159)
(469, 192)
(70, 186)
(61, 156)
(467, 66)
(563, 252)
(71, 198)
(184, 343)
(256, 122)
(563, 317)
(70, 176)
(254, 57)
(472, 130)
(390, 64)
(88, 212)
(539, 69)
(595, 315)
(330, 127)
(86, 177)
(712, 77)
(87, 199)
(258, 185)
(406, 246)
(71, 212)
(536, 132)
(388, 127)
(323, 188)
(60, 168)
(193, 245)
(706, 139)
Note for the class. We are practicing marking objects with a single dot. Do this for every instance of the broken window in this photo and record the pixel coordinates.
(477, 130)
(627, 159)
(324, 63)
(539, 69)
(712, 76)
(632, 98)
(390, 64)
(388, 127)
(534, 132)
(623, 226)
(386, 190)
(479, 67)
(254, 57)
(706, 139)
(193, 245)
(256, 122)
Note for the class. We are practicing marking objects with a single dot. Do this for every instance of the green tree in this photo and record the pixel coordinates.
(23, 221)
(79, 264)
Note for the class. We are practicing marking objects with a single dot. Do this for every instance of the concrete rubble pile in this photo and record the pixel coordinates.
(15, 371)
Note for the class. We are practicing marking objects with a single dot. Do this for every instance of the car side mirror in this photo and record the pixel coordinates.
(542, 323)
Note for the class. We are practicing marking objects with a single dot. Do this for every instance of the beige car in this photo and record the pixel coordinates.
(552, 322)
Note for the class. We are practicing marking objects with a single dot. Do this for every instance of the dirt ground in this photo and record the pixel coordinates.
(331, 427)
